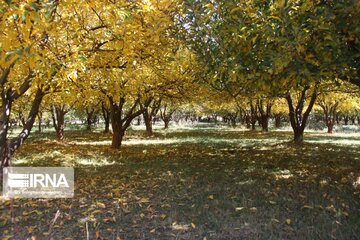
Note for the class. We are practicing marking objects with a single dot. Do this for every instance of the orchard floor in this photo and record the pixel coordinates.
(194, 183)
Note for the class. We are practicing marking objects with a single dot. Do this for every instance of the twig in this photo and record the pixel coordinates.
(87, 231)
(57, 214)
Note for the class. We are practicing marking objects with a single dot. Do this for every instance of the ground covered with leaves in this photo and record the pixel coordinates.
(196, 183)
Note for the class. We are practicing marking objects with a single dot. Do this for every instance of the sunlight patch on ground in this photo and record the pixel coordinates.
(283, 174)
(93, 162)
(336, 141)
(192, 140)
(192, 127)
(248, 182)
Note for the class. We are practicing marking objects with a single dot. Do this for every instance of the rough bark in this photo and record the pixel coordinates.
(148, 121)
(298, 119)
(121, 119)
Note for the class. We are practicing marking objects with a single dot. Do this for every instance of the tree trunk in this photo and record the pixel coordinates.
(330, 127)
(166, 115)
(106, 116)
(91, 118)
(58, 116)
(253, 124)
(253, 116)
(298, 135)
(353, 119)
(346, 120)
(117, 137)
(298, 119)
(233, 122)
(60, 132)
(277, 121)
(166, 123)
(40, 121)
(121, 120)
(148, 122)
(4, 126)
(248, 121)
(330, 113)
(265, 123)
(264, 114)
(8, 146)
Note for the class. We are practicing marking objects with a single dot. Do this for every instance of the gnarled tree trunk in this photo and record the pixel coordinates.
(166, 115)
(298, 119)
(121, 119)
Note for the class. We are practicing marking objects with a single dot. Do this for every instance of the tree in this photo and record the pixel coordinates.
(23, 55)
(280, 48)
(149, 113)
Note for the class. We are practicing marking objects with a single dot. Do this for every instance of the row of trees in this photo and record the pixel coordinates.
(132, 58)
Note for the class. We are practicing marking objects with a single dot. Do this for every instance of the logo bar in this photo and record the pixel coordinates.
(38, 182)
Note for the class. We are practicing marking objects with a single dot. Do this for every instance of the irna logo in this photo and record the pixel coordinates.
(35, 180)
(38, 182)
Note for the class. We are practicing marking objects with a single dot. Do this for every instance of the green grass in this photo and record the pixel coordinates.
(198, 183)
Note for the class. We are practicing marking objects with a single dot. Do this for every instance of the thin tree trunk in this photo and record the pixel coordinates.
(166, 123)
(106, 116)
(39, 115)
(58, 116)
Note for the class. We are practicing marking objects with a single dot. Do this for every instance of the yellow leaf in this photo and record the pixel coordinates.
(288, 221)
(308, 207)
(100, 205)
(253, 209)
